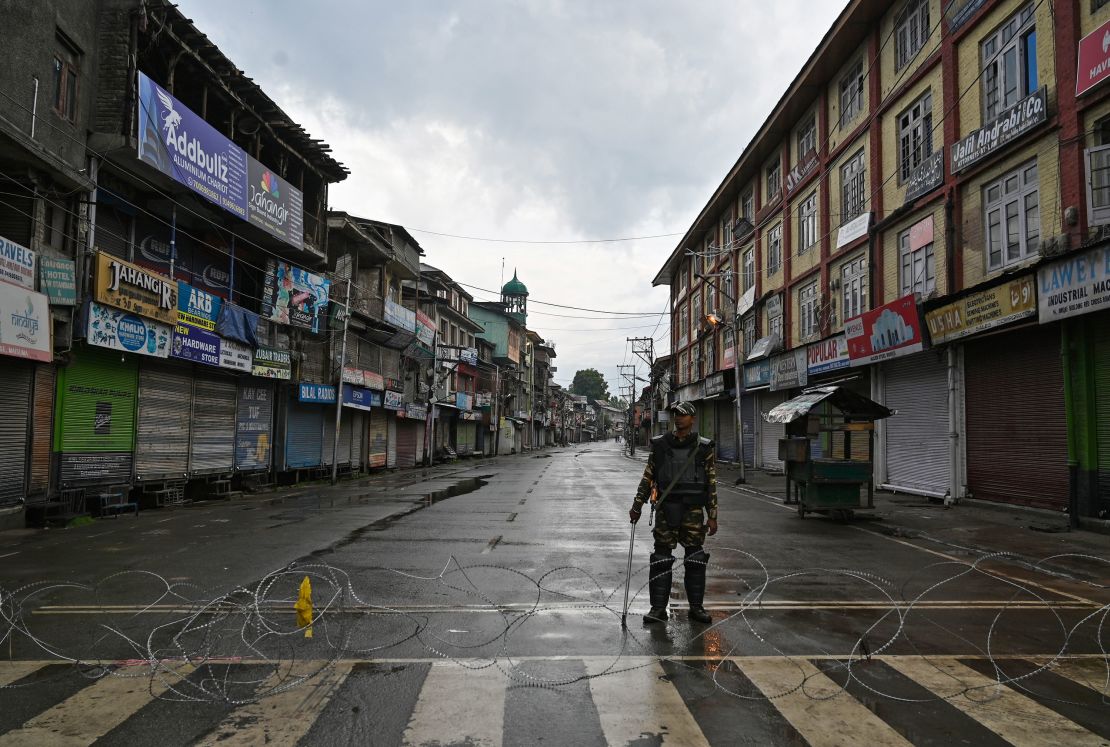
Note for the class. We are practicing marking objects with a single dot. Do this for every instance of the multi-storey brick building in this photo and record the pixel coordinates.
(920, 217)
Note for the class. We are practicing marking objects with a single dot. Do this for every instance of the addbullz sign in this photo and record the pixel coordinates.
(131, 288)
(1012, 123)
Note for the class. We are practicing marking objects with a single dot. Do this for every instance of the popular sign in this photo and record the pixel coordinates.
(131, 288)
(1012, 123)
(121, 330)
(294, 296)
(889, 331)
(1074, 286)
(25, 324)
(982, 311)
(827, 355)
(17, 264)
(1094, 59)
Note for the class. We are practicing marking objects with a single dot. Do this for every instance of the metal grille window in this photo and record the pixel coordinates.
(774, 182)
(807, 222)
(853, 200)
(911, 29)
(918, 271)
(774, 316)
(915, 136)
(749, 332)
(807, 137)
(1098, 185)
(749, 268)
(774, 249)
(1009, 58)
(851, 94)
(807, 310)
(1013, 217)
(853, 287)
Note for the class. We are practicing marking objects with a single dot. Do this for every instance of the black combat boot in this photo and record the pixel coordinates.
(659, 587)
(695, 585)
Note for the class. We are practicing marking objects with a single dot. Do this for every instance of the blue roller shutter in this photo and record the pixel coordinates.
(304, 435)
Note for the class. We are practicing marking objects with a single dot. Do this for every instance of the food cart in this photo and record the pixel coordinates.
(826, 470)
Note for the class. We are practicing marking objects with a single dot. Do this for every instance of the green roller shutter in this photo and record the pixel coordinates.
(1102, 408)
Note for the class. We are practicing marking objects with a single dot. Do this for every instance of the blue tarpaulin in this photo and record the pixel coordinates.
(236, 323)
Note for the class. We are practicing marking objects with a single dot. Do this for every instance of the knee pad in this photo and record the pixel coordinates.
(692, 551)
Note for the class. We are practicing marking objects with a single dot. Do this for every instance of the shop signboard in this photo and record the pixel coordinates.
(399, 316)
(1094, 59)
(890, 331)
(1074, 286)
(392, 400)
(788, 370)
(196, 345)
(714, 384)
(25, 324)
(928, 175)
(360, 398)
(425, 330)
(316, 393)
(272, 363)
(827, 355)
(120, 330)
(984, 310)
(757, 374)
(353, 376)
(274, 205)
(416, 412)
(132, 288)
(197, 308)
(294, 296)
(235, 355)
(252, 427)
(58, 280)
(853, 229)
(464, 400)
(747, 301)
(1011, 124)
(17, 264)
(805, 166)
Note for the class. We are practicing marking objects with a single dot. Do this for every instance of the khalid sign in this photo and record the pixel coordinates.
(294, 296)
(25, 324)
(17, 264)
(187, 149)
(889, 331)
(121, 330)
(272, 363)
(1094, 59)
(1074, 286)
(1012, 123)
(131, 288)
(984, 310)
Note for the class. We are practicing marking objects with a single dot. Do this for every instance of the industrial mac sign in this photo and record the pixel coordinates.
(1094, 59)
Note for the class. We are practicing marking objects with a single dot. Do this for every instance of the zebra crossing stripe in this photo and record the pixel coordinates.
(459, 705)
(819, 709)
(282, 718)
(97, 709)
(1087, 672)
(641, 701)
(1007, 713)
(11, 671)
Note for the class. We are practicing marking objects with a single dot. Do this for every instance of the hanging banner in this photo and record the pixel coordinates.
(983, 310)
(271, 363)
(890, 331)
(120, 330)
(25, 325)
(294, 296)
(194, 344)
(425, 330)
(197, 308)
(399, 316)
(360, 398)
(58, 280)
(132, 288)
(415, 412)
(1074, 286)
(17, 264)
(235, 356)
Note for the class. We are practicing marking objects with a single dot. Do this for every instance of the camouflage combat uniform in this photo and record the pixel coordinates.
(691, 532)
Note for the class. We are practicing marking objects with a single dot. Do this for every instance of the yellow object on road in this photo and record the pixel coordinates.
(304, 607)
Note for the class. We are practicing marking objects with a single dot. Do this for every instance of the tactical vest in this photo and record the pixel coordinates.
(692, 484)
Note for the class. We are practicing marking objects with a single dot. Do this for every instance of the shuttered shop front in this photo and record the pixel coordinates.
(377, 434)
(164, 418)
(747, 420)
(1102, 406)
(254, 419)
(467, 436)
(95, 417)
(342, 450)
(15, 404)
(1016, 422)
(770, 433)
(407, 438)
(726, 430)
(42, 429)
(213, 438)
(304, 435)
(916, 437)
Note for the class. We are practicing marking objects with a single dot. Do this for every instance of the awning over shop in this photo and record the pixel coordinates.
(765, 346)
(853, 405)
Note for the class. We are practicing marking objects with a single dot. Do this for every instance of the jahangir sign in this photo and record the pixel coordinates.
(131, 288)
(1074, 286)
(983, 310)
(1012, 123)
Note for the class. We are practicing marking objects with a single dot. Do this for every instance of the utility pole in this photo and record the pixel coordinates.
(731, 322)
(644, 348)
(339, 386)
(631, 378)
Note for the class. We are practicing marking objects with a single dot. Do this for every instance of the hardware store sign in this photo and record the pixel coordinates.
(1074, 286)
(131, 288)
(982, 311)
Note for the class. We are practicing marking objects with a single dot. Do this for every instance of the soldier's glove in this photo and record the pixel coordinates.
(634, 514)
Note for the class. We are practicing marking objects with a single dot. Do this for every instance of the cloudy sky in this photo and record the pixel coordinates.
(530, 122)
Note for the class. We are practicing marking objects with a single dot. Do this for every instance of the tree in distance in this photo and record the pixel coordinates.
(591, 383)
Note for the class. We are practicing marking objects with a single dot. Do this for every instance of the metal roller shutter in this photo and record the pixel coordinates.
(342, 451)
(377, 439)
(1102, 406)
(726, 436)
(15, 404)
(1017, 454)
(42, 429)
(467, 435)
(165, 415)
(254, 422)
(391, 439)
(95, 417)
(406, 443)
(747, 418)
(916, 440)
(113, 231)
(213, 439)
(304, 435)
(770, 433)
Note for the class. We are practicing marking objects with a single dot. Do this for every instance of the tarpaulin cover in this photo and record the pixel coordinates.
(236, 323)
(851, 404)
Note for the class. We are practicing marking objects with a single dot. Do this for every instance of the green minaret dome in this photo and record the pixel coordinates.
(514, 287)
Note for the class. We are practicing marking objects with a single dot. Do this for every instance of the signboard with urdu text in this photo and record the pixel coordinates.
(272, 363)
(984, 310)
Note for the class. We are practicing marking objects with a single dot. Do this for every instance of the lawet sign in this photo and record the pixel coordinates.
(982, 311)
(1012, 123)
(131, 288)
(17, 264)
(889, 331)
(1074, 286)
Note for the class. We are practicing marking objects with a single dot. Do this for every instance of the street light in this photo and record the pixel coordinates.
(715, 320)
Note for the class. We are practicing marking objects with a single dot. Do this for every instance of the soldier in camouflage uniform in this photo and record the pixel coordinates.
(682, 472)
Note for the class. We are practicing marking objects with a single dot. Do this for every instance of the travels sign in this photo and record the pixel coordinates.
(131, 288)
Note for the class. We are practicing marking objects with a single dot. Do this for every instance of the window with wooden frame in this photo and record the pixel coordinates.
(65, 71)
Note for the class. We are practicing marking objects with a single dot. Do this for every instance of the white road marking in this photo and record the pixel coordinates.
(638, 701)
(459, 705)
(10, 671)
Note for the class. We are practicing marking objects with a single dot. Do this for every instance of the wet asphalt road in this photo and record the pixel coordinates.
(475, 581)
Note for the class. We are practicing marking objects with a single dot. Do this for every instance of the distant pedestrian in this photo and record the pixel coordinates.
(682, 472)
